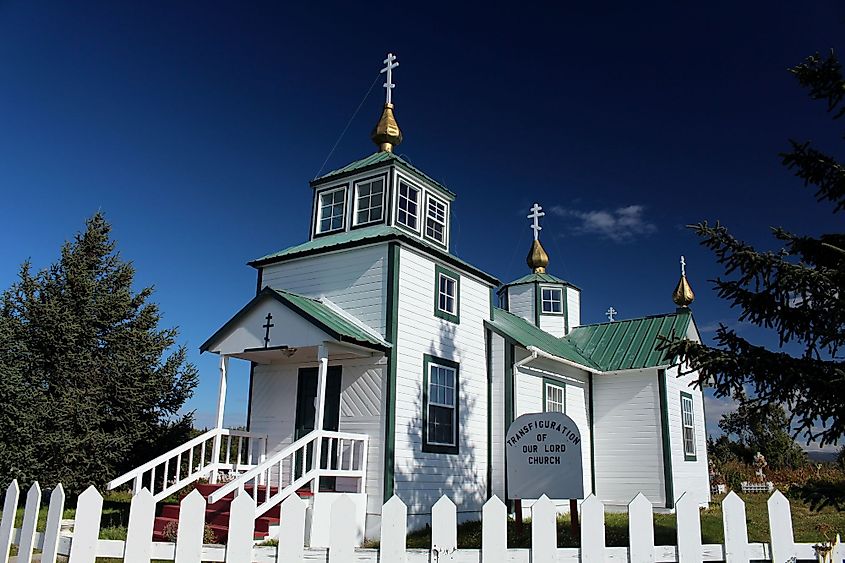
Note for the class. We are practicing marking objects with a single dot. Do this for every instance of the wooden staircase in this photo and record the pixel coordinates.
(217, 514)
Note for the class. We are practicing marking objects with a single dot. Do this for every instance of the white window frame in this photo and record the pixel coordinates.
(559, 387)
(356, 207)
(440, 293)
(688, 425)
(318, 227)
(543, 300)
(453, 406)
(444, 224)
(418, 202)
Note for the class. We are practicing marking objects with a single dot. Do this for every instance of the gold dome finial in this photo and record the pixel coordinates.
(386, 134)
(537, 258)
(683, 294)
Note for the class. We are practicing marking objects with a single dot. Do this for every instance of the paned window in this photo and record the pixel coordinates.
(552, 299)
(688, 422)
(408, 206)
(555, 398)
(332, 210)
(369, 201)
(447, 298)
(435, 220)
(440, 424)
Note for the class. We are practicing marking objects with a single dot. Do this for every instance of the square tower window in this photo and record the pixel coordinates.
(332, 210)
(552, 300)
(369, 201)
(408, 206)
(435, 220)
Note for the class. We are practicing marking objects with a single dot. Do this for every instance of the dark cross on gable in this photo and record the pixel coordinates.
(267, 327)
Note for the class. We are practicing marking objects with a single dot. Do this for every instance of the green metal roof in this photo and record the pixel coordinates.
(541, 278)
(526, 334)
(374, 160)
(317, 312)
(628, 344)
(369, 235)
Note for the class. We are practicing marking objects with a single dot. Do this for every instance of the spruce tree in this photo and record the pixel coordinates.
(90, 386)
(798, 291)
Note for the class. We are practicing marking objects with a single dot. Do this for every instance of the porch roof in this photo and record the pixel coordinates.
(320, 313)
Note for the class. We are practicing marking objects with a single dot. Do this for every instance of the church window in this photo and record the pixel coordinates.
(554, 397)
(332, 210)
(552, 300)
(408, 212)
(447, 287)
(688, 426)
(435, 220)
(440, 418)
(369, 201)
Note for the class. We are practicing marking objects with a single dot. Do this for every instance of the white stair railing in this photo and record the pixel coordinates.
(282, 474)
(234, 450)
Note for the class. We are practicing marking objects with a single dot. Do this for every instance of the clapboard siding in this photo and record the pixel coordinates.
(553, 324)
(628, 437)
(355, 280)
(689, 476)
(573, 307)
(521, 301)
(462, 476)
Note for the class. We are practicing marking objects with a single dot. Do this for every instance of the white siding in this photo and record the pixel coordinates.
(421, 478)
(573, 304)
(553, 324)
(355, 280)
(498, 429)
(521, 301)
(628, 437)
(691, 476)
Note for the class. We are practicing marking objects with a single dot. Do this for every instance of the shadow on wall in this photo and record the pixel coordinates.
(422, 477)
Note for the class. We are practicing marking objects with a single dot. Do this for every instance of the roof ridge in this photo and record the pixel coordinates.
(655, 316)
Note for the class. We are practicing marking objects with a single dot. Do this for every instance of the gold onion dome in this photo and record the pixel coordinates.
(537, 258)
(386, 134)
(683, 294)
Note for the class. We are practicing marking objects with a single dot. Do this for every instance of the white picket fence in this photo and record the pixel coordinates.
(84, 546)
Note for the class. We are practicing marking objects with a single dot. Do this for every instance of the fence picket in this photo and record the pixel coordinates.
(292, 530)
(241, 529)
(543, 531)
(54, 524)
(30, 519)
(191, 528)
(444, 530)
(736, 529)
(7, 526)
(86, 527)
(494, 531)
(139, 536)
(641, 529)
(394, 530)
(592, 530)
(341, 531)
(689, 529)
(780, 528)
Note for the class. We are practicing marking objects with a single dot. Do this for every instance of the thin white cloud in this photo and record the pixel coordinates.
(622, 224)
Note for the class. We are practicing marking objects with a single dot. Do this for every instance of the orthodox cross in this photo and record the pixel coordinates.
(266, 328)
(536, 213)
(390, 63)
(610, 313)
(683, 266)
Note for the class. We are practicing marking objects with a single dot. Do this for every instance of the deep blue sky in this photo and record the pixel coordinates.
(196, 126)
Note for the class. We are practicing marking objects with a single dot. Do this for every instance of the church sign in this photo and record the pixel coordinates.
(543, 457)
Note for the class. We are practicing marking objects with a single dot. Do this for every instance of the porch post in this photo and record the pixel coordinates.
(320, 407)
(221, 401)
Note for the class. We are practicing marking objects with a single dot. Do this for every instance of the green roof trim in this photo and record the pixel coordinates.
(628, 344)
(539, 278)
(314, 311)
(369, 235)
(526, 334)
(373, 161)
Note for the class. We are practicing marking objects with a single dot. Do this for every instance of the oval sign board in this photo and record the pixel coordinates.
(543, 457)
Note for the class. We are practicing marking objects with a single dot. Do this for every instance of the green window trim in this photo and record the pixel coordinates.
(687, 455)
(428, 360)
(554, 383)
(438, 312)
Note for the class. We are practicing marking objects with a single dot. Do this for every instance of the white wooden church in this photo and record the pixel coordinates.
(381, 364)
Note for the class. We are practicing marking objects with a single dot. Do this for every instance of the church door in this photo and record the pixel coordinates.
(306, 411)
